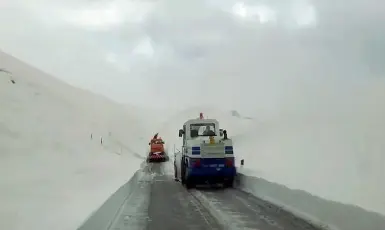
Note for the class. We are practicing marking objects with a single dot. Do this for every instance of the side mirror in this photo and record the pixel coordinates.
(242, 162)
(225, 134)
(220, 132)
(181, 132)
(149, 143)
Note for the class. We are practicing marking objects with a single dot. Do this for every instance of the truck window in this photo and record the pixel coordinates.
(203, 129)
(184, 135)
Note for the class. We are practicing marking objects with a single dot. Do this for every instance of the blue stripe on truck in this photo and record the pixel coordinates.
(195, 150)
(229, 149)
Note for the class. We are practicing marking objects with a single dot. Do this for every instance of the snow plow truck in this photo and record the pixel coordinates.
(207, 154)
(157, 152)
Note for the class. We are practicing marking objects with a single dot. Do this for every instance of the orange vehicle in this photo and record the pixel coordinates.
(157, 152)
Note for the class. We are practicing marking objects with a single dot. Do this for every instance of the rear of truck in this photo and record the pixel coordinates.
(157, 152)
(212, 163)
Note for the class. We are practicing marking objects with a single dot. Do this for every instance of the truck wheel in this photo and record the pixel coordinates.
(229, 183)
(175, 174)
(183, 174)
(189, 183)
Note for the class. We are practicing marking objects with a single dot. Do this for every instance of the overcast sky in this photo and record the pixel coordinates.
(250, 55)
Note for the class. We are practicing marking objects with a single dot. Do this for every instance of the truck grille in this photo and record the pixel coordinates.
(214, 150)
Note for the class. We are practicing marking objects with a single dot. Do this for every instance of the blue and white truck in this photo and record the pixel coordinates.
(207, 155)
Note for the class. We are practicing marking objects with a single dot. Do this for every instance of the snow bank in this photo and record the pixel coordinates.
(318, 211)
(104, 216)
(63, 151)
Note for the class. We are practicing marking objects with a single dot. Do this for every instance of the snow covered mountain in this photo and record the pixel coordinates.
(55, 170)
(64, 147)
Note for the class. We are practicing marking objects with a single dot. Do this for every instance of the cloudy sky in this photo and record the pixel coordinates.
(252, 55)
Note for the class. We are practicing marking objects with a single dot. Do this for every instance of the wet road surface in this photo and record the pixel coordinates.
(157, 202)
(239, 210)
(172, 207)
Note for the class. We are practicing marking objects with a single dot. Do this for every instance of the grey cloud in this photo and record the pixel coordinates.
(201, 41)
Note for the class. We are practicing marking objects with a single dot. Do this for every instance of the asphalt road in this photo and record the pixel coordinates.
(173, 207)
(160, 203)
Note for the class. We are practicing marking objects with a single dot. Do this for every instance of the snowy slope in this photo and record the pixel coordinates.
(53, 174)
(334, 153)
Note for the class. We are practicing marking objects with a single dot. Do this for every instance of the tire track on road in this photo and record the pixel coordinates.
(173, 207)
(239, 210)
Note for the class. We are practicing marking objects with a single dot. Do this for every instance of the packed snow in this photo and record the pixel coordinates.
(63, 150)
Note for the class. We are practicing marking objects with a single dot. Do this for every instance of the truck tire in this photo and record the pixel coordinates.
(189, 183)
(183, 172)
(229, 183)
(175, 174)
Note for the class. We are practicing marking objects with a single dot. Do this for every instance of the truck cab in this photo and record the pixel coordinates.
(206, 156)
(156, 145)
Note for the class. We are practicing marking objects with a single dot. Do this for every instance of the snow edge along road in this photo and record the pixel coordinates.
(103, 217)
(313, 210)
(247, 184)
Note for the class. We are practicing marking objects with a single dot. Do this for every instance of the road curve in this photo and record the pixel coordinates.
(157, 202)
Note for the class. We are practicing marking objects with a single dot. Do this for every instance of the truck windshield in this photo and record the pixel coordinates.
(204, 129)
